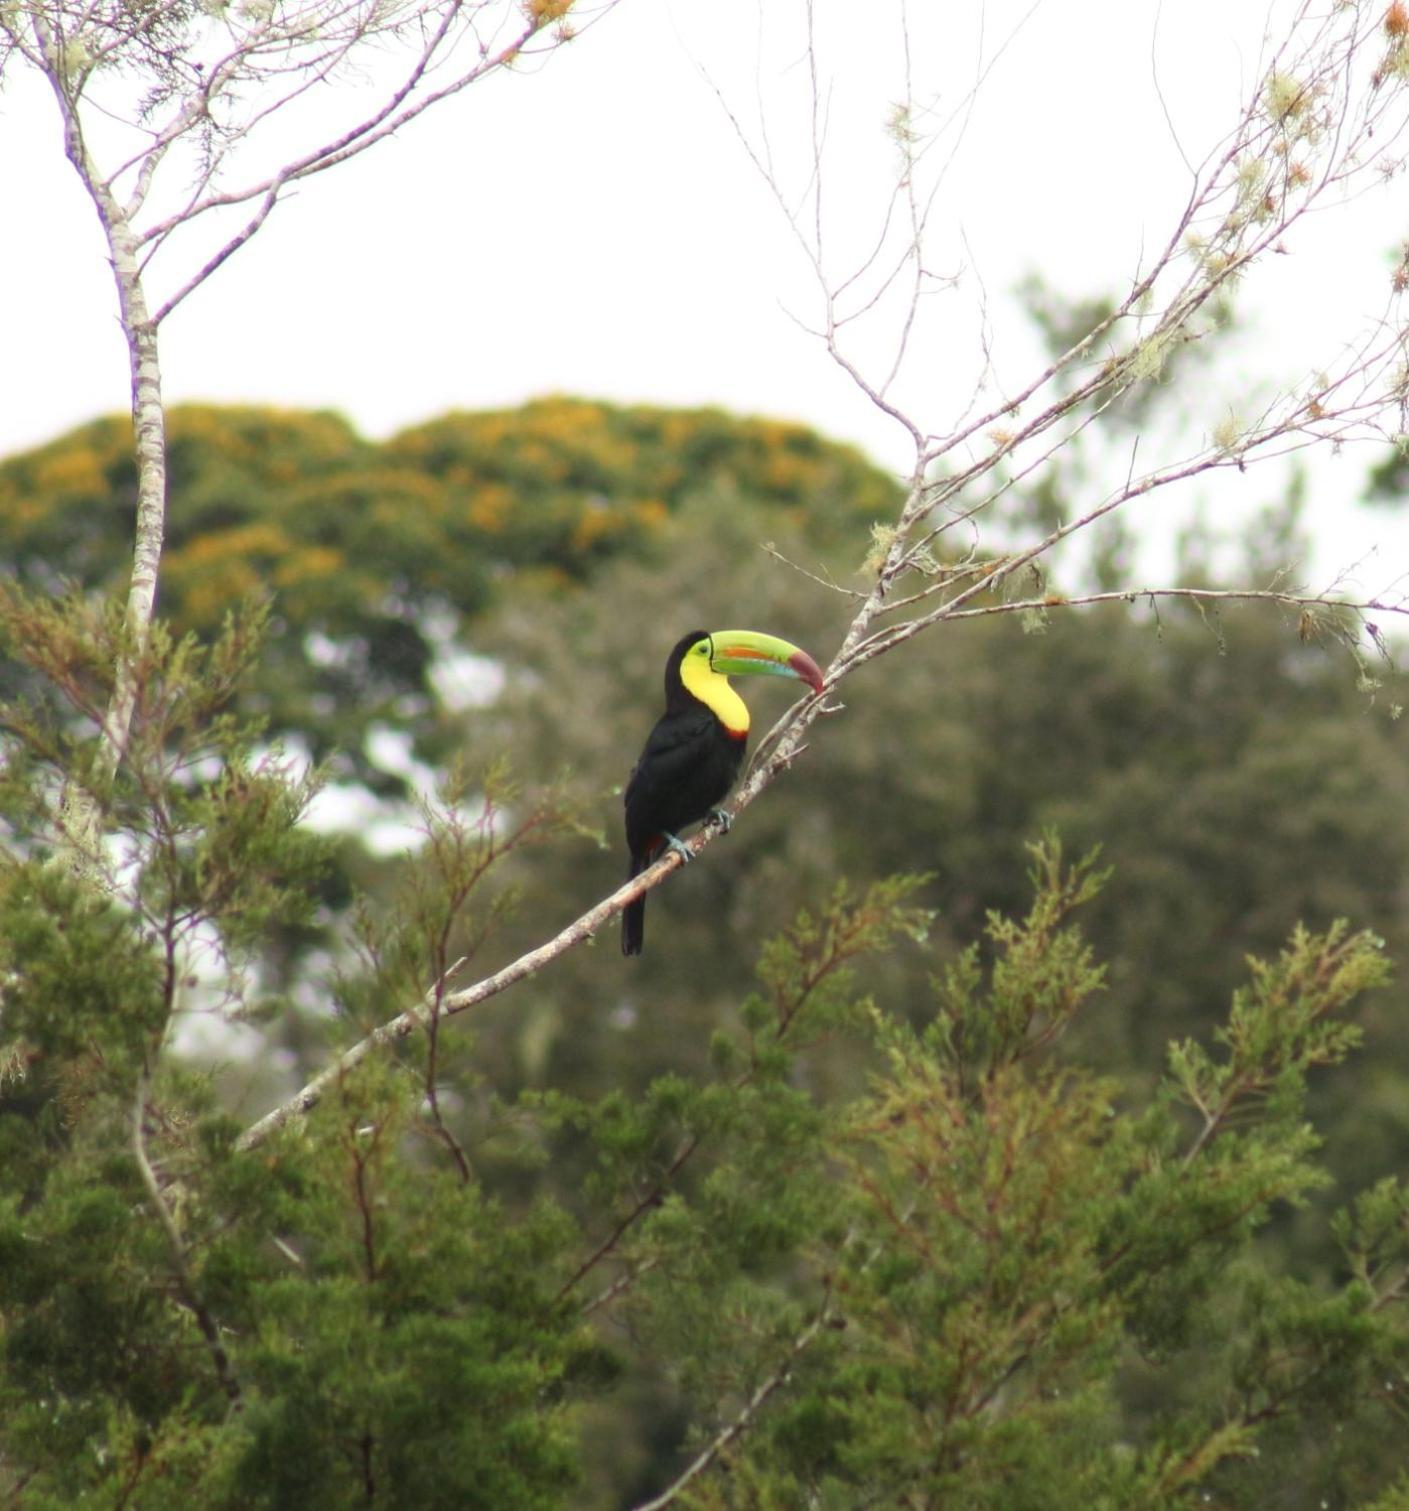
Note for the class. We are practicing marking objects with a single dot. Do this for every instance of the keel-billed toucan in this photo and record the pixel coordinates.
(694, 752)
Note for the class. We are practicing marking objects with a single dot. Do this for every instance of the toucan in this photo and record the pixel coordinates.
(694, 753)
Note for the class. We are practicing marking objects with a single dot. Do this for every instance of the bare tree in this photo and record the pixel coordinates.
(1320, 123)
(179, 119)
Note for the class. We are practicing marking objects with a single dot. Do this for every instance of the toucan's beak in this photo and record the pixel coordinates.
(744, 652)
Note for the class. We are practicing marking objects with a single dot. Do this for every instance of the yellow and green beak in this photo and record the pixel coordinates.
(746, 653)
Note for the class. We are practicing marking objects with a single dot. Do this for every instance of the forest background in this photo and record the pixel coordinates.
(920, 1161)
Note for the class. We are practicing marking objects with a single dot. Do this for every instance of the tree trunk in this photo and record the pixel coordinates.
(81, 815)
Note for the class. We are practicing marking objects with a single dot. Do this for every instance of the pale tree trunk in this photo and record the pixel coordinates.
(81, 814)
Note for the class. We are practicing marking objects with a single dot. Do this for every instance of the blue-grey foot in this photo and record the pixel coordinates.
(723, 818)
(679, 846)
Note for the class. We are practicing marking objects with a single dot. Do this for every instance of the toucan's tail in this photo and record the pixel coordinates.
(633, 918)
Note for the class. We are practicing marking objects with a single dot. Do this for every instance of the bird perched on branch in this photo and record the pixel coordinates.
(694, 753)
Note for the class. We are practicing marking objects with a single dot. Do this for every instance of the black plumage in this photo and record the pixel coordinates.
(689, 763)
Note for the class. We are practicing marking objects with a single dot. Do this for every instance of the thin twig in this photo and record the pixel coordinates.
(581, 929)
(822, 582)
(623, 1282)
(433, 1016)
(1196, 595)
(644, 1204)
(742, 1422)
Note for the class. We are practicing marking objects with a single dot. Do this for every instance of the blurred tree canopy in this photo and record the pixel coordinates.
(376, 555)
(944, 1196)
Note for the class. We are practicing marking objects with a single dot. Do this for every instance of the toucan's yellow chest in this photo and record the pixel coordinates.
(713, 690)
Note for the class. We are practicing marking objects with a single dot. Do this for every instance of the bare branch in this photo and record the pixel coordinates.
(580, 930)
(227, 251)
(1312, 601)
(1236, 234)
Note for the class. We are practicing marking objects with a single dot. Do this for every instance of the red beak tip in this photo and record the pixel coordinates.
(808, 670)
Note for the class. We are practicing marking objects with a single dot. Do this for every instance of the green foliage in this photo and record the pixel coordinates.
(1281, 1024)
(390, 1334)
(347, 1316)
(209, 826)
(996, 1240)
(862, 1255)
(1042, 974)
(409, 1349)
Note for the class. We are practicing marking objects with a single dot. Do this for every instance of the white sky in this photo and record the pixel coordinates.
(595, 228)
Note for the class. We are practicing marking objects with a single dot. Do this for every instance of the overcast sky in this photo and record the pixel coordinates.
(596, 227)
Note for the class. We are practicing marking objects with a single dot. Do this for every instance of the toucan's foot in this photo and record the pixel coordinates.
(679, 846)
(723, 818)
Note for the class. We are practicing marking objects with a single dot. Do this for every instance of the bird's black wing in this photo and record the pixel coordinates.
(659, 798)
(661, 791)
